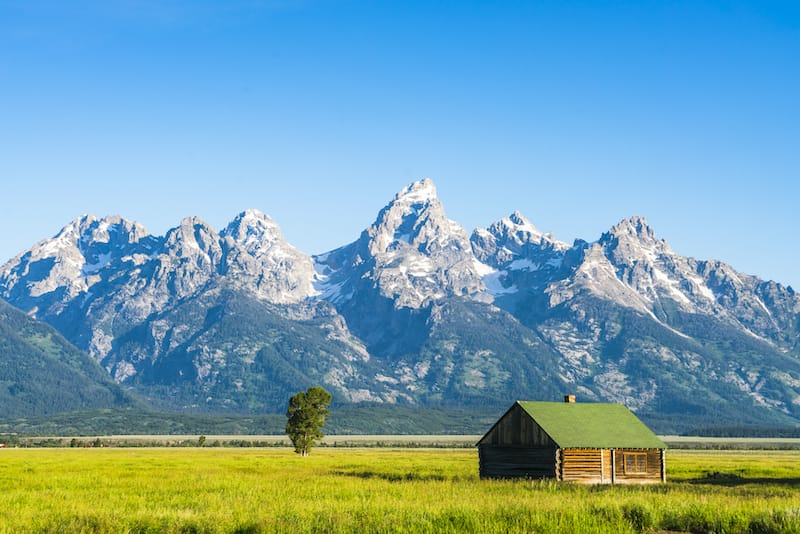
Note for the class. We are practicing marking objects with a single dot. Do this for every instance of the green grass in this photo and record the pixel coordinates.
(378, 490)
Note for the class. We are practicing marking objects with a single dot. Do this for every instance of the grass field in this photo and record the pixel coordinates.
(378, 490)
(366, 440)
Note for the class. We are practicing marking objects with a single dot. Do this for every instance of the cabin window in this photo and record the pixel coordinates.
(635, 463)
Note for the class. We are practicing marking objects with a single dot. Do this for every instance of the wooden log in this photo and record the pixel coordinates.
(613, 466)
(516, 462)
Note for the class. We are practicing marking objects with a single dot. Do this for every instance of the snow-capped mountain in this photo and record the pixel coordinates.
(629, 316)
(101, 279)
(273, 268)
(57, 270)
(518, 255)
(629, 266)
(412, 254)
(412, 289)
(416, 311)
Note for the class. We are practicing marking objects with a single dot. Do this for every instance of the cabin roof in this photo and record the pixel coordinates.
(591, 425)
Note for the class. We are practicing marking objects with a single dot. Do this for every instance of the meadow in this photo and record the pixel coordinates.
(378, 490)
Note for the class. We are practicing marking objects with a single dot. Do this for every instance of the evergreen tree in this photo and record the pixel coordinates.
(306, 413)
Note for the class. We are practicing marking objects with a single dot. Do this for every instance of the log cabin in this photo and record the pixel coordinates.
(590, 443)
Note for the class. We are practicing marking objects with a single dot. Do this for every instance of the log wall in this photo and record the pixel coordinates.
(586, 466)
(608, 466)
(604, 466)
(517, 462)
(630, 474)
(583, 466)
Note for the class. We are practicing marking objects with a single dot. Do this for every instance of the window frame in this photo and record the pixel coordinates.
(634, 463)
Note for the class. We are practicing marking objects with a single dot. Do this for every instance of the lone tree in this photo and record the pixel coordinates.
(307, 412)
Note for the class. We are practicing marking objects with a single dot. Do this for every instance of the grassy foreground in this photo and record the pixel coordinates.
(378, 490)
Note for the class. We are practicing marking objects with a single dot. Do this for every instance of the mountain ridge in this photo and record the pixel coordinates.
(391, 316)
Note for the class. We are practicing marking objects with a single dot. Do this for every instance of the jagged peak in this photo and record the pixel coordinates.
(253, 215)
(256, 231)
(632, 232)
(112, 230)
(518, 218)
(88, 229)
(517, 229)
(415, 199)
(84, 219)
(192, 220)
(77, 226)
(633, 226)
(633, 239)
(192, 231)
(88, 219)
(420, 191)
(517, 223)
(252, 221)
(134, 228)
(416, 218)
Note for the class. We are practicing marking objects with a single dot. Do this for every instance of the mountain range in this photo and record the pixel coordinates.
(415, 312)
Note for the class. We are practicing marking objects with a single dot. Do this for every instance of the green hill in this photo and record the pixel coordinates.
(41, 373)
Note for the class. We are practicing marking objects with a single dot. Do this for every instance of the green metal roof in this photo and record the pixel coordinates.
(592, 425)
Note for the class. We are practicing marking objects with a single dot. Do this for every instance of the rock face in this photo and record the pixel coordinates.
(386, 283)
(417, 311)
(517, 257)
(636, 323)
(272, 268)
(106, 281)
(412, 255)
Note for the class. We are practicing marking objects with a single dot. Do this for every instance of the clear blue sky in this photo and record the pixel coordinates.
(577, 113)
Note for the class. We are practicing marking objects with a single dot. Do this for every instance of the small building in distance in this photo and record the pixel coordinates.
(591, 443)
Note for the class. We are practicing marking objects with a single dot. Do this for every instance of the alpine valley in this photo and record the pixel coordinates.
(415, 313)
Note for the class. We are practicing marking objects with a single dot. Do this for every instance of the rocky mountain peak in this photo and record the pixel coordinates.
(191, 234)
(111, 228)
(78, 226)
(634, 227)
(516, 227)
(518, 219)
(412, 253)
(88, 230)
(415, 219)
(192, 254)
(655, 274)
(515, 238)
(273, 269)
(421, 191)
(66, 265)
(255, 231)
(66, 241)
(633, 240)
(517, 230)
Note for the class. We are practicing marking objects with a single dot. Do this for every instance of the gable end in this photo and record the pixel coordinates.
(516, 428)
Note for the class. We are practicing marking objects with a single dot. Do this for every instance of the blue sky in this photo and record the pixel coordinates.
(578, 114)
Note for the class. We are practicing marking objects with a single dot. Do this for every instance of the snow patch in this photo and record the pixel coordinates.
(523, 265)
(494, 284)
(420, 191)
